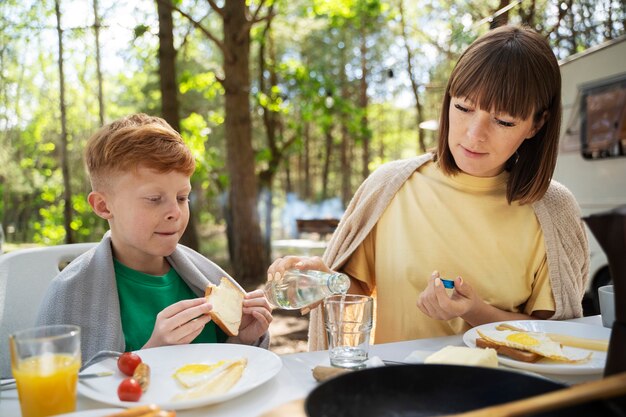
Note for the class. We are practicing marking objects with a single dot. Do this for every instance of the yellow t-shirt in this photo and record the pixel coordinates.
(457, 225)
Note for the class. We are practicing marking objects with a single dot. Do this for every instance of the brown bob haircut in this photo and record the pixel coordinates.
(511, 70)
(136, 141)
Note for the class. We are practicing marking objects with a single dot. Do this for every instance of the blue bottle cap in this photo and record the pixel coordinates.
(448, 283)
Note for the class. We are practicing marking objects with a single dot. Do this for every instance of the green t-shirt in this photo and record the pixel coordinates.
(143, 296)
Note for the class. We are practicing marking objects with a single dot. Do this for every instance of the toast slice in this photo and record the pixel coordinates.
(518, 355)
(227, 301)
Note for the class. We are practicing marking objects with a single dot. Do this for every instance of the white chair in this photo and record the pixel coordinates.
(24, 278)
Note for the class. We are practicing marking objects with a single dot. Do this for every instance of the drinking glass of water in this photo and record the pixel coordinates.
(348, 322)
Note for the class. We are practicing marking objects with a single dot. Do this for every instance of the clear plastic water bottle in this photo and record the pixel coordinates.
(300, 288)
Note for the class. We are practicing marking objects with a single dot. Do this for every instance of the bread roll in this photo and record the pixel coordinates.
(227, 301)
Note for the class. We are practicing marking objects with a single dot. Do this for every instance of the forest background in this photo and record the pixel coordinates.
(275, 98)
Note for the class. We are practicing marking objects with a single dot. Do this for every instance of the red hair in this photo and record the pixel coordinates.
(136, 140)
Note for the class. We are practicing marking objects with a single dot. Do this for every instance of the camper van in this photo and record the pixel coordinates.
(592, 149)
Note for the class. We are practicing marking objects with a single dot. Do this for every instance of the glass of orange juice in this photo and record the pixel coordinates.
(45, 362)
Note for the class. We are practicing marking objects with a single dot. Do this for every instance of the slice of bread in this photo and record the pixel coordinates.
(227, 301)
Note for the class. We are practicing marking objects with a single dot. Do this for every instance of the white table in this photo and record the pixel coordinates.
(295, 380)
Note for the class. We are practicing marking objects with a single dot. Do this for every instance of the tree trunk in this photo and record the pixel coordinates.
(96, 30)
(608, 25)
(266, 177)
(169, 97)
(246, 249)
(288, 182)
(382, 128)
(67, 191)
(285, 160)
(365, 131)
(421, 142)
(528, 14)
(249, 260)
(308, 188)
(328, 136)
(501, 19)
(167, 67)
(346, 172)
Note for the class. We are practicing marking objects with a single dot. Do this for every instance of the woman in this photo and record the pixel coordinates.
(482, 210)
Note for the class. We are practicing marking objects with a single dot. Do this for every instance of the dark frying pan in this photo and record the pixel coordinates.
(432, 390)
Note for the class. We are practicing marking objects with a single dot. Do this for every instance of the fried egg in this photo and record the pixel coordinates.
(534, 342)
(208, 379)
(194, 374)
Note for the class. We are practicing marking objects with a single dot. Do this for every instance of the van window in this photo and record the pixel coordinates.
(603, 117)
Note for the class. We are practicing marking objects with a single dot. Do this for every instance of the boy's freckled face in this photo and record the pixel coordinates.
(149, 213)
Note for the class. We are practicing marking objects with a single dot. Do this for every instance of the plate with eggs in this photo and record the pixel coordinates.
(187, 376)
(544, 346)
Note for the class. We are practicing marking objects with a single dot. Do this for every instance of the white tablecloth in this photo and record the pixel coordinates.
(295, 380)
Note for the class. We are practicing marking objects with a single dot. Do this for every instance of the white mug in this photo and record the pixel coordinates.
(607, 305)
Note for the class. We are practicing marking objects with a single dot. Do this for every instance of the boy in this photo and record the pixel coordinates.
(139, 288)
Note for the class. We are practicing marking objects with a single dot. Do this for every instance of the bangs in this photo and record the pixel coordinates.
(151, 146)
(502, 80)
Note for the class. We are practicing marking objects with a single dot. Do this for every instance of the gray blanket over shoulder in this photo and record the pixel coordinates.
(85, 294)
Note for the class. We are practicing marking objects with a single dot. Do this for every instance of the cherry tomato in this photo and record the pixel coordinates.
(127, 362)
(129, 390)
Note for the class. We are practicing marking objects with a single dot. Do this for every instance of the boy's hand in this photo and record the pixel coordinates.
(180, 323)
(256, 318)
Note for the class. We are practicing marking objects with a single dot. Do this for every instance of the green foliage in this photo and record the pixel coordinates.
(50, 230)
(195, 131)
(357, 13)
(272, 102)
(193, 128)
(316, 57)
(140, 30)
(205, 82)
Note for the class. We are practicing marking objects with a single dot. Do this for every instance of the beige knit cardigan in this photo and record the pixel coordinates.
(558, 214)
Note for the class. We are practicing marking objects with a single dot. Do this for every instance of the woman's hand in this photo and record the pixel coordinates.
(179, 323)
(280, 265)
(435, 302)
(256, 318)
(465, 303)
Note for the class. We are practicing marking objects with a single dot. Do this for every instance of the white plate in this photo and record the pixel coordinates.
(101, 412)
(163, 361)
(594, 366)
